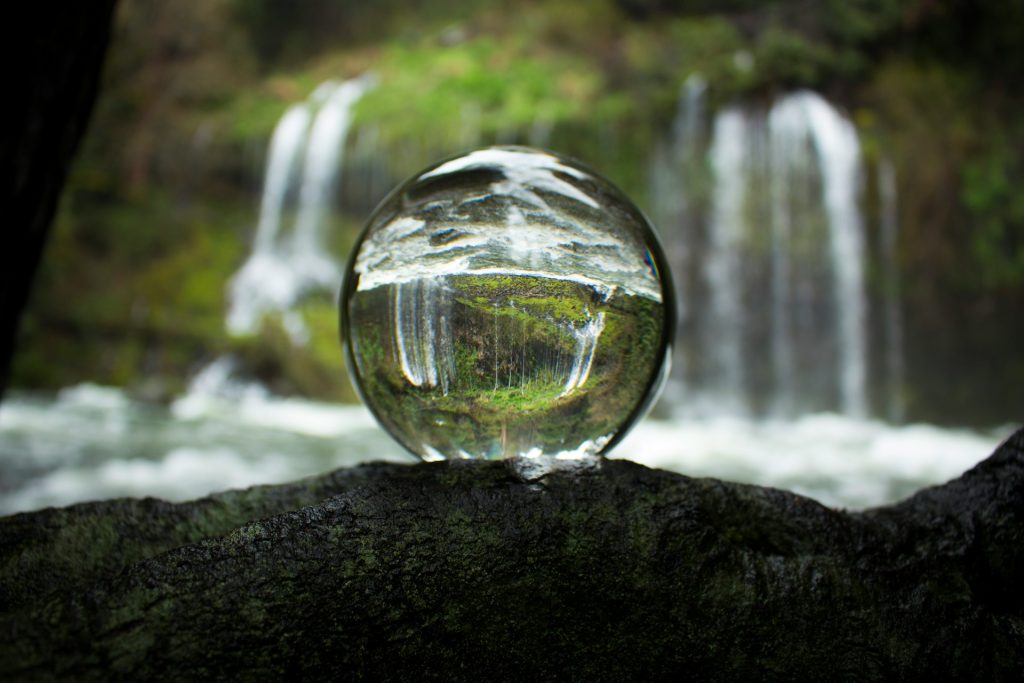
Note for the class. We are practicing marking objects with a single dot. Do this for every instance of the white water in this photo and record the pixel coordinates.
(290, 258)
(893, 314)
(772, 271)
(586, 344)
(808, 136)
(93, 442)
(723, 333)
(838, 148)
(786, 148)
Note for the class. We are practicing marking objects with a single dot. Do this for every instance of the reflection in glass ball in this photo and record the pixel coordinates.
(507, 302)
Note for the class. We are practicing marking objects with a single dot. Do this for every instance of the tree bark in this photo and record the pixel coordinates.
(56, 51)
(463, 571)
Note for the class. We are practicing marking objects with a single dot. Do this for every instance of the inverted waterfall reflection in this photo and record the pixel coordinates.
(583, 358)
(767, 232)
(424, 347)
(430, 323)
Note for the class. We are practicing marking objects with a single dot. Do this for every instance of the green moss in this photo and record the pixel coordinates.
(457, 85)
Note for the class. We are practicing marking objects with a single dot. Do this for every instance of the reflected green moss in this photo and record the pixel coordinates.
(512, 356)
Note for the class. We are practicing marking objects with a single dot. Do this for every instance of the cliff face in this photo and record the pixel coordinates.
(463, 571)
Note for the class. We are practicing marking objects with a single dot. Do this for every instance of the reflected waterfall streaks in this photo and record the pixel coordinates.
(507, 303)
(423, 337)
(424, 343)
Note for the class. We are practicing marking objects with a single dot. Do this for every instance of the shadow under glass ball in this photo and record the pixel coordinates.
(507, 302)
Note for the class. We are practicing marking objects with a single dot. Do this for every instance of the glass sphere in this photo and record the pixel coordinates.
(507, 302)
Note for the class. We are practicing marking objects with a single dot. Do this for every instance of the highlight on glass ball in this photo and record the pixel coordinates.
(507, 303)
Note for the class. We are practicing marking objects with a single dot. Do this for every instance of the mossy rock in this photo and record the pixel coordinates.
(463, 571)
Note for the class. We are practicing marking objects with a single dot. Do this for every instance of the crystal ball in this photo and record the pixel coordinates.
(508, 302)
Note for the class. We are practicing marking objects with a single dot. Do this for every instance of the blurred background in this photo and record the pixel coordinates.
(836, 185)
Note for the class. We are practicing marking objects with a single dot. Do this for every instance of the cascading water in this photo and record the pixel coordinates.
(778, 313)
(808, 135)
(838, 149)
(289, 258)
(723, 336)
(889, 225)
(677, 173)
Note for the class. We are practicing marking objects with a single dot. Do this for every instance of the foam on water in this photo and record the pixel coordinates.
(93, 442)
(837, 460)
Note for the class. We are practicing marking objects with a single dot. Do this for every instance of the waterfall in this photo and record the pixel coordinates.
(889, 224)
(838, 149)
(677, 171)
(303, 167)
(785, 149)
(807, 134)
(774, 253)
(285, 146)
(724, 330)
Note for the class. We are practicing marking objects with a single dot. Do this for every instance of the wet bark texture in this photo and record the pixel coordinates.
(462, 571)
(56, 51)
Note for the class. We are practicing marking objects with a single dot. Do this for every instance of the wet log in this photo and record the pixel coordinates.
(463, 571)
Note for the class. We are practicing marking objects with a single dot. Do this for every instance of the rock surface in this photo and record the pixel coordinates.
(462, 571)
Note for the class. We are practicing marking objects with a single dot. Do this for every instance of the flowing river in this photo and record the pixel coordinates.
(91, 442)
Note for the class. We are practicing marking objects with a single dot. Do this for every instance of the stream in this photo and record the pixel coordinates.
(90, 442)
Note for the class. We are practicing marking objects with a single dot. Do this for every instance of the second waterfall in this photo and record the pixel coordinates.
(769, 244)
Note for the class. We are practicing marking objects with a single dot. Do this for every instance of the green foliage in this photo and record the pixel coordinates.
(497, 87)
(787, 58)
(661, 57)
(991, 192)
(131, 290)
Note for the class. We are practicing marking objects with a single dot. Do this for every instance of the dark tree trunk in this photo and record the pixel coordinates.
(462, 571)
(55, 51)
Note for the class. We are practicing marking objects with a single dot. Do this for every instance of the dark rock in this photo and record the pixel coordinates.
(462, 571)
